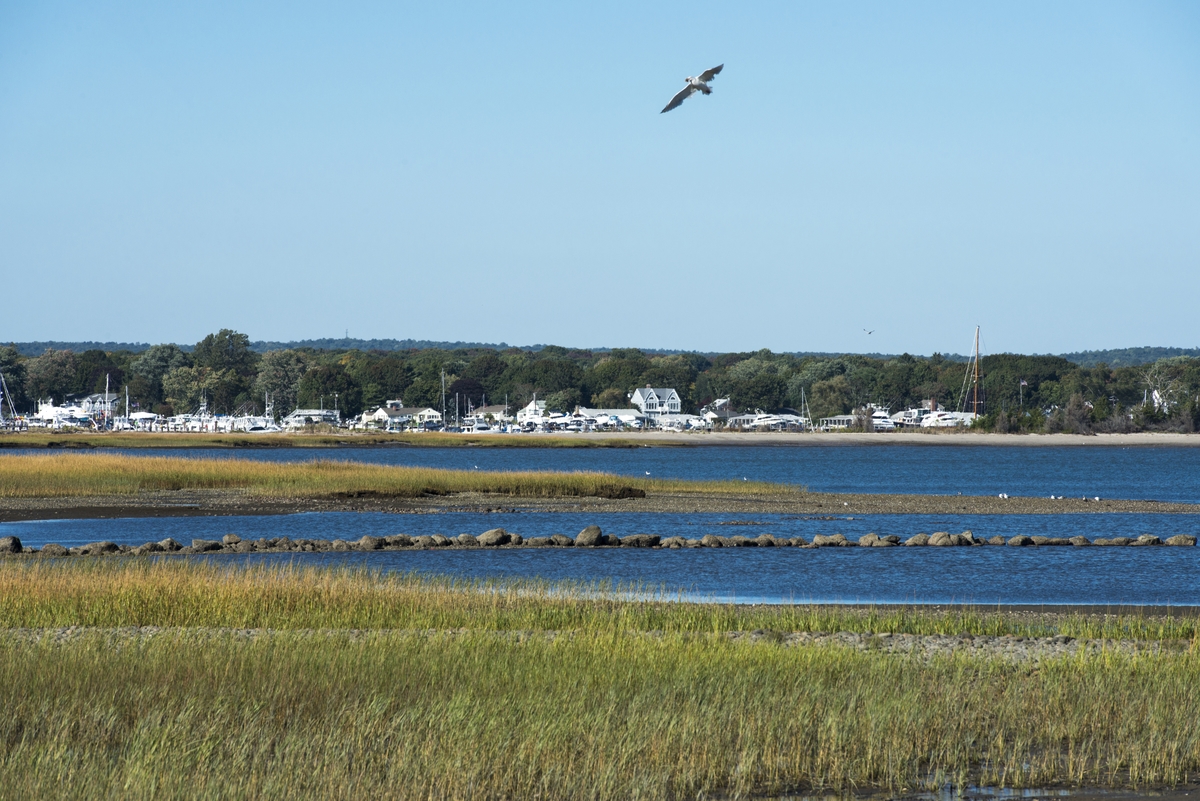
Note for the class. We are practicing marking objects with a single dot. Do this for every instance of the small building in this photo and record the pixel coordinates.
(307, 417)
(533, 414)
(653, 401)
(498, 413)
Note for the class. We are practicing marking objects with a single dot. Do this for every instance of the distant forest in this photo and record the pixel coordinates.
(1121, 390)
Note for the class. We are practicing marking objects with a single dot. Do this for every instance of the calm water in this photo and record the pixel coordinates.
(1145, 473)
(986, 575)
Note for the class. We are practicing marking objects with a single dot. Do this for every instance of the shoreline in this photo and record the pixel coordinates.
(236, 502)
(931, 438)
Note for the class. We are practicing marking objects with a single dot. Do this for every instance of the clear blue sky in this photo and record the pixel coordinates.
(501, 172)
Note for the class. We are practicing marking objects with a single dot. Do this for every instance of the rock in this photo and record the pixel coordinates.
(1178, 539)
(399, 541)
(885, 542)
(798, 542)
(98, 548)
(738, 541)
(996, 540)
(674, 543)
(562, 540)
(54, 549)
(10, 545)
(515, 539)
(611, 540)
(538, 542)
(640, 541)
(203, 546)
(250, 547)
(149, 547)
(1147, 539)
(1079, 541)
(917, 539)
(940, 539)
(494, 537)
(1020, 541)
(589, 537)
(230, 539)
(1057, 541)
(282, 544)
(439, 540)
(710, 541)
(831, 541)
(1038, 539)
(764, 541)
(368, 543)
(339, 545)
(868, 540)
(966, 538)
(423, 541)
(467, 540)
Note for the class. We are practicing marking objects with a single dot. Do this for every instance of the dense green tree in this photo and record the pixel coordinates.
(12, 367)
(52, 376)
(329, 386)
(765, 391)
(227, 354)
(279, 374)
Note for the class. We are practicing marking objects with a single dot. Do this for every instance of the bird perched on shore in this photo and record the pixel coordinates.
(696, 84)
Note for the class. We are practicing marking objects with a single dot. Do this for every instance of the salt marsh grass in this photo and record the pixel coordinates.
(181, 591)
(54, 475)
(431, 702)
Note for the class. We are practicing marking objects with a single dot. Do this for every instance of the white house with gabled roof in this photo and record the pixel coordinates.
(653, 401)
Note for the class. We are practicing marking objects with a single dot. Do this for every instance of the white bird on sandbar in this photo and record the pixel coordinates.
(696, 84)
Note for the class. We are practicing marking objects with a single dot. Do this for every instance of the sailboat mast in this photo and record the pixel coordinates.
(976, 371)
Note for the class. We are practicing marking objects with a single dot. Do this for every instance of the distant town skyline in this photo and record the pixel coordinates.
(503, 174)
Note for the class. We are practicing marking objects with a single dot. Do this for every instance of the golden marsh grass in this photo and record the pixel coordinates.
(60, 475)
(446, 708)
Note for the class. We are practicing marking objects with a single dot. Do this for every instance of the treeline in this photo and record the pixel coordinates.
(1020, 393)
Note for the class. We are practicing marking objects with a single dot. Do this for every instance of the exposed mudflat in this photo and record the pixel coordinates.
(185, 503)
(922, 646)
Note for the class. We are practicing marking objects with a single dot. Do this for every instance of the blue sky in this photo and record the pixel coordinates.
(492, 173)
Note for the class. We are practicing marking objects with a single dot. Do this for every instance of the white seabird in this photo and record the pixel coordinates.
(697, 84)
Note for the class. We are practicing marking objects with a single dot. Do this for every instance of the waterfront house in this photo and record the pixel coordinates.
(653, 401)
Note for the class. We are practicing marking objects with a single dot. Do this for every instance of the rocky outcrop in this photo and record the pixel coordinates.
(493, 538)
(589, 537)
(498, 537)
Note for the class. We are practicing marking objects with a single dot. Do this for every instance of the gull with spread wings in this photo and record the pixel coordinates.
(697, 84)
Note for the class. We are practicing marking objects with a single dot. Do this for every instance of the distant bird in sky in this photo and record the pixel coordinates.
(872, 331)
(697, 84)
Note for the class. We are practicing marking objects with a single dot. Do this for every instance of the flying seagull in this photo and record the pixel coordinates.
(697, 84)
(872, 331)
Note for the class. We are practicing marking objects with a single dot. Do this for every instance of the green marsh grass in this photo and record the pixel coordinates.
(177, 591)
(431, 702)
(58, 475)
